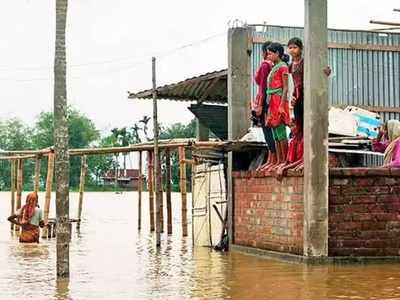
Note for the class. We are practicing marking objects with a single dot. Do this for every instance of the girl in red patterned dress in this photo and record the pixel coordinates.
(277, 98)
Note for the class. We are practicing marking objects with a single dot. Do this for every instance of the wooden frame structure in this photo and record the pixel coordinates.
(178, 146)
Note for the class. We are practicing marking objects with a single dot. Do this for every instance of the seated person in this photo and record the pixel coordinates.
(388, 142)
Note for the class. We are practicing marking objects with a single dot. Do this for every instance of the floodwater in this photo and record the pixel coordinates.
(110, 259)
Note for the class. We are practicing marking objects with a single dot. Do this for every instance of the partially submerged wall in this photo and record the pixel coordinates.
(364, 212)
(268, 214)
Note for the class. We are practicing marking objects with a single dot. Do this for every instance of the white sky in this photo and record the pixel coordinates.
(110, 44)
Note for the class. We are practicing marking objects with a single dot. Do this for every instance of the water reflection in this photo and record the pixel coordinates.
(62, 290)
(110, 259)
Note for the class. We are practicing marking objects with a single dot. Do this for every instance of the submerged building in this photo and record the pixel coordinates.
(362, 215)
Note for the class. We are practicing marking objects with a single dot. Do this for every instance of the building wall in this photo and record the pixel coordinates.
(268, 214)
(364, 212)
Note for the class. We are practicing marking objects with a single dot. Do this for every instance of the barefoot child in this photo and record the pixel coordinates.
(260, 106)
(296, 68)
(278, 107)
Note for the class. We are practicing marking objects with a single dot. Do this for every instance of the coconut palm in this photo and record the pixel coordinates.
(61, 142)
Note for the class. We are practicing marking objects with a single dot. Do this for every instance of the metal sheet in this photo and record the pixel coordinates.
(359, 77)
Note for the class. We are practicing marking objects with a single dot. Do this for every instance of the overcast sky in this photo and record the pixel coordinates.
(110, 44)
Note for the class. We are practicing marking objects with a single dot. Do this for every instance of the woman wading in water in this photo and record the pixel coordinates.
(30, 218)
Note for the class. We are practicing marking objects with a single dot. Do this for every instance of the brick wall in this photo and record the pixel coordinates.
(268, 214)
(364, 212)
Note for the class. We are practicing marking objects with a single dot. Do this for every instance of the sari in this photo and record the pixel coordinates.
(29, 232)
(259, 105)
(297, 71)
(274, 97)
(392, 152)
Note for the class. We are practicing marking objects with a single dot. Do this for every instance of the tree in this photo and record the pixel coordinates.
(178, 130)
(14, 135)
(61, 142)
(82, 134)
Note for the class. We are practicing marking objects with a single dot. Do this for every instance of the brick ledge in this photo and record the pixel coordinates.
(362, 172)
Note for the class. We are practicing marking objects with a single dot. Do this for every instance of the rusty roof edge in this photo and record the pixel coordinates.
(148, 93)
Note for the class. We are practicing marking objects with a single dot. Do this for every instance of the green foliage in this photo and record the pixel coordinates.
(15, 135)
(178, 130)
(82, 133)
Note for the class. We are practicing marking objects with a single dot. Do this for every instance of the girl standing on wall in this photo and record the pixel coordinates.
(277, 98)
(296, 68)
(260, 106)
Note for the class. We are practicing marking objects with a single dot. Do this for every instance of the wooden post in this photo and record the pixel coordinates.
(12, 183)
(150, 187)
(162, 207)
(37, 174)
(168, 190)
(193, 193)
(157, 170)
(81, 189)
(140, 186)
(161, 196)
(20, 171)
(49, 184)
(182, 169)
(116, 173)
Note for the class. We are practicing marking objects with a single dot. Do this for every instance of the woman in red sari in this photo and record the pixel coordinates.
(30, 218)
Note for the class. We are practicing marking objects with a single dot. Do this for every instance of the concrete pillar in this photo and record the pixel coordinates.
(315, 129)
(239, 81)
(202, 131)
(239, 94)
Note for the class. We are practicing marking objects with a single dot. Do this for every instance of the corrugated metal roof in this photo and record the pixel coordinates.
(362, 74)
(210, 87)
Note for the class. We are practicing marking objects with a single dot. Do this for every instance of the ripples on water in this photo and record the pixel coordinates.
(110, 259)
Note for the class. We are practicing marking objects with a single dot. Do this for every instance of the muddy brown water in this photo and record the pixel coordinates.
(110, 259)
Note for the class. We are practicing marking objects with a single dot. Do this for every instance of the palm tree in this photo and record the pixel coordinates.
(61, 142)
(145, 120)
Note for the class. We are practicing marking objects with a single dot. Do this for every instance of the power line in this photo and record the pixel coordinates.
(161, 54)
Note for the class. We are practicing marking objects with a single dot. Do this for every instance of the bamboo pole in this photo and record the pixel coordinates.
(49, 184)
(81, 189)
(182, 169)
(37, 174)
(193, 194)
(16, 157)
(116, 174)
(151, 192)
(157, 183)
(168, 189)
(161, 204)
(12, 183)
(20, 176)
(165, 144)
(140, 186)
(384, 23)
